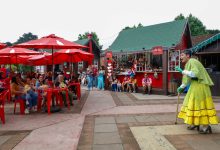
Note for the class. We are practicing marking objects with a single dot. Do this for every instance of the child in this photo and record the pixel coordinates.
(114, 85)
(119, 86)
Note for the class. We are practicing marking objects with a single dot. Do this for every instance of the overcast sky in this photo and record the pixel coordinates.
(68, 18)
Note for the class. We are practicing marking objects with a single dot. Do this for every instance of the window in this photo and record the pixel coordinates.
(173, 60)
(96, 63)
(80, 66)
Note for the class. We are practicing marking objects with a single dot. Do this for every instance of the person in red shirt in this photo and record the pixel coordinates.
(125, 83)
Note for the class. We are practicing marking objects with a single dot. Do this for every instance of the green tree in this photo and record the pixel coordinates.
(180, 17)
(196, 25)
(26, 37)
(8, 43)
(94, 37)
(134, 27)
(215, 31)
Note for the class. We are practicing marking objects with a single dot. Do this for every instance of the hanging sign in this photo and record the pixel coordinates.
(158, 50)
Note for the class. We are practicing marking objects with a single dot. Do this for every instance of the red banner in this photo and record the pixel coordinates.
(158, 50)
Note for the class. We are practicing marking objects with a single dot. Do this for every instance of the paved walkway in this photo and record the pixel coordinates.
(107, 120)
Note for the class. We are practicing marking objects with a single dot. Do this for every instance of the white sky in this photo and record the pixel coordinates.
(68, 18)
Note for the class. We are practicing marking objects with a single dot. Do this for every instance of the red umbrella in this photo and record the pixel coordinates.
(2, 45)
(72, 55)
(50, 42)
(39, 60)
(61, 56)
(11, 54)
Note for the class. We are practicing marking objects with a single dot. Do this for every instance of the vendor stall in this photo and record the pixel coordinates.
(154, 50)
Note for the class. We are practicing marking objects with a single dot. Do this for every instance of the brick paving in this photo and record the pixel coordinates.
(9, 139)
(101, 131)
(103, 120)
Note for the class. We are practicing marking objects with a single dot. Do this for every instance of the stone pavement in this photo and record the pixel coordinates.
(106, 120)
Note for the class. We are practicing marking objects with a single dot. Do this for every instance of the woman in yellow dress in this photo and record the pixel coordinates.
(198, 108)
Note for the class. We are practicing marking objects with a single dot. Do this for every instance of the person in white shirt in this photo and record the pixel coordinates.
(147, 84)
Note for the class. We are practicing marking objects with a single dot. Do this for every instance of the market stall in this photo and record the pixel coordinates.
(154, 50)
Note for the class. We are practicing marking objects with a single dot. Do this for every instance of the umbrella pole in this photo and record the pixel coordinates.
(52, 67)
(17, 64)
(71, 74)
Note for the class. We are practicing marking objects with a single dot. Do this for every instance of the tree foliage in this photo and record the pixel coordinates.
(94, 37)
(180, 17)
(134, 26)
(211, 31)
(8, 43)
(26, 37)
(196, 25)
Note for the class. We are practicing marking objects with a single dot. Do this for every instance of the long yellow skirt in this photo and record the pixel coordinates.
(198, 107)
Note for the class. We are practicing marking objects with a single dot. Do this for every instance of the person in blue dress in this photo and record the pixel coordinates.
(101, 78)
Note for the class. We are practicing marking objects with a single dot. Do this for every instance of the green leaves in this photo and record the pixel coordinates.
(94, 37)
(26, 37)
(196, 25)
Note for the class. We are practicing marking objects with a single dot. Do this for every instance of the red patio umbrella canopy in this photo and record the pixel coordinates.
(61, 56)
(39, 60)
(72, 55)
(50, 42)
(2, 45)
(13, 55)
(14, 51)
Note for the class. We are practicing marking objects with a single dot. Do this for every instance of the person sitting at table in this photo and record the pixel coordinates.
(132, 84)
(18, 93)
(124, 83)
(31, 95)
(147, 84)
(61, 84)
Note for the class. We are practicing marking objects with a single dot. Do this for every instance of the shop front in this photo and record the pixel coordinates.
(159, 63)
(154, 50)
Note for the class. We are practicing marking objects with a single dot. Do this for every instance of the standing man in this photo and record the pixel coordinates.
(147, 84)
(198, 108)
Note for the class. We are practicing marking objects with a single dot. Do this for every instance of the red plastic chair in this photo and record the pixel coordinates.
(21, 102)
(7, 86)
(39, 100)
(2, 113)
(2, 102)
(78, 89)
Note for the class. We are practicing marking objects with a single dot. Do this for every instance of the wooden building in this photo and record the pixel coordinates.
(208, 52)
(153, 49)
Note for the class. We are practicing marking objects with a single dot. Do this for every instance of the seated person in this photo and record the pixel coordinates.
(124, 83)
(18, 93)
(119, 86)
(132, 84)
(61, 84)
(147, 84)
(114, 84)
(31, 95)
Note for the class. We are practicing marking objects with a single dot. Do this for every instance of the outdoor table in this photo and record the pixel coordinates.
(56, 93)
(78, 89)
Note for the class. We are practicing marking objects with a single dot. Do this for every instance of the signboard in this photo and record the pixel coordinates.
(158, 50)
